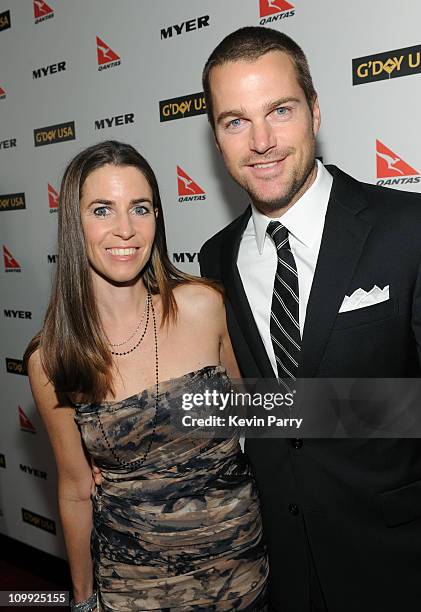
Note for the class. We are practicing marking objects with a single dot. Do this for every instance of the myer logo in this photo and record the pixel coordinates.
(2, 93)
(188, 189)
(54, 133)
(10, 143)
(2, 461)
(387, 65)
(185, 257)
(180, 108)
(9, 313)
(185, 26)
(4, 20)
(52, 258)
(392, 169)
(42, 11)
(273, 10)
(39, 521)
(115, 121)
(25, 423)
(10, 263)
(47, 70)
(52, 199)
(15, 366)
(107, 58)
(12, 201)
(32, 471)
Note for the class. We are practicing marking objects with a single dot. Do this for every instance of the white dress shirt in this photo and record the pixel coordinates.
(257, 258)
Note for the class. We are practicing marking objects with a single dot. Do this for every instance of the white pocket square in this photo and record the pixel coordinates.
(361, 298)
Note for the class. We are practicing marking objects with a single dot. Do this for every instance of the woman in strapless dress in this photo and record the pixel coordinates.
(175, 524)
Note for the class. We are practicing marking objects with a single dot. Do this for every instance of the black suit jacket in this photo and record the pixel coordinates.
(359, 500)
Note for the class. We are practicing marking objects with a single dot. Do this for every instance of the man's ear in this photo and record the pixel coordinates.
(316, 115)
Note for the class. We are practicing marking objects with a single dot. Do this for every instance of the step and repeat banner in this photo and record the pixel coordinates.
(74, 73)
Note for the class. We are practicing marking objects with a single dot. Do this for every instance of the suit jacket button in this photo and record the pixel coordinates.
(293, 509)
(297, 443)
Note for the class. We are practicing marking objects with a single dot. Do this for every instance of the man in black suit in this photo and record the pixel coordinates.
(342, 518)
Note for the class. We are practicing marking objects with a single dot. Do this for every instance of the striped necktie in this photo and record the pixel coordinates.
(284, 316)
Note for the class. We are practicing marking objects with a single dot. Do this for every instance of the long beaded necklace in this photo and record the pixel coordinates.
(148, 306)
(136, 330)
(139, 462)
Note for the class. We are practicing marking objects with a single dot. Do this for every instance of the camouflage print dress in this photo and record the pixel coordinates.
(182, 531)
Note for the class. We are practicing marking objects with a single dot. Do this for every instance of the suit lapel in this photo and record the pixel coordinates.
(343, 239)
(235, 293)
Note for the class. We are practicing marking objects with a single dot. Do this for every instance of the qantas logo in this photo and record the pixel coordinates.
(2, 93)
(42, 11)
(273, 10)
(107, 58)
(10, 263)
(52, 199)
(188, 189)
(25, 423)
(392, 169)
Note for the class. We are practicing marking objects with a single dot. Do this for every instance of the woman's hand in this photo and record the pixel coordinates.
(96, 476)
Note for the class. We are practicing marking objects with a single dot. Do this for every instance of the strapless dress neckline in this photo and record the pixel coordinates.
(163, 383)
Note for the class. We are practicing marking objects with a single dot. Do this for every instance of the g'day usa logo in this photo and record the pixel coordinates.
(12, 201)
(54, 133)
(182, 107)
(392, 169)
(107, 58)
(387, 65)
(15, 366)
(188, 189)
(4, 20)
(36, 520)
(273, 10)
(42, 11)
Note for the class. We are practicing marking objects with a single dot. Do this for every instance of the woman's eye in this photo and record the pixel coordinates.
(101, 211)
(140, 210)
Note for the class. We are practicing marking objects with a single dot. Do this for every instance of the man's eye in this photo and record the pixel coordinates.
(282, 111)
(101, 211)
(234, 123)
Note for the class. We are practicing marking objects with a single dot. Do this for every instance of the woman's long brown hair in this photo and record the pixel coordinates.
(74, 350)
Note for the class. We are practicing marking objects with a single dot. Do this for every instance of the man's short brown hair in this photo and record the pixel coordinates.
(249, 44)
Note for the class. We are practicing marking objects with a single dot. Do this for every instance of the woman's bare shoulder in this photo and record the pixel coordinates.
(198, 298)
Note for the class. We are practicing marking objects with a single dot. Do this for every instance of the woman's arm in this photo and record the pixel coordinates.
(226, 352)
(74, 478)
